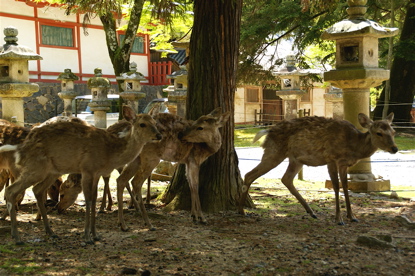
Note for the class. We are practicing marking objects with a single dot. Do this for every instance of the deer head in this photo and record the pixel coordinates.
(205, 129)
(381, 132)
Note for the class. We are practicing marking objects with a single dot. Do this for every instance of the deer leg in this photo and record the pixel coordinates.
(89, 187)
(21, 184)
(107, 193)
(334, 177)
(40, 192)
(268, 162)
(293, 168)
(122, 181)
(137, 184)
(343, 179)
(148, 197)
(192, 174)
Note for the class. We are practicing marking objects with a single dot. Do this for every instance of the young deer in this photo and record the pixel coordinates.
(12, 134)
(68, 147)
(318, 141)
(185, 142)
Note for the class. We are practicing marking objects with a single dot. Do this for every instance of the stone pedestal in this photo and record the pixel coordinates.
(291, 102)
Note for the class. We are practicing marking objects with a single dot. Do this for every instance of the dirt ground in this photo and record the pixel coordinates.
(276, 238)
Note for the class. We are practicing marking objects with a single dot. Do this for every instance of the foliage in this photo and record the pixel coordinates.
(162, 33)
(266, 24)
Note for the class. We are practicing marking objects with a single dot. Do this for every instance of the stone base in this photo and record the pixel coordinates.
(365, 186)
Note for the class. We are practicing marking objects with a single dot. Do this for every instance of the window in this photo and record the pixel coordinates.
(138, 45)
(252, 95)
(57, 36)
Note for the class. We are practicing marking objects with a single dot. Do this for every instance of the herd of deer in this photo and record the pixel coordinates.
(39, 156)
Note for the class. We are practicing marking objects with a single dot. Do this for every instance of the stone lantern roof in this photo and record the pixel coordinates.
(132, 74)
(98, 80)
(67, 75)
(291, 70)
(11, 50)
(357, 24)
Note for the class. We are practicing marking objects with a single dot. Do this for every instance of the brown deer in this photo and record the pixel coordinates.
(12, 134)
(318, 141)
(68, 147)
(184, 141)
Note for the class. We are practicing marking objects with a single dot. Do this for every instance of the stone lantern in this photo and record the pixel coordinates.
(177, 93)
(67, 93)
(335, 96)
(99, 104)
(356, 72)
(14, 76)
(132, 86)
(290, 87)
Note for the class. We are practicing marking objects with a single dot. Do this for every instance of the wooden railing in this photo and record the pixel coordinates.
(159, 71)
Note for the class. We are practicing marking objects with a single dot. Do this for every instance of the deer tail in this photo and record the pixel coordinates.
(260, 134)
(8, 148)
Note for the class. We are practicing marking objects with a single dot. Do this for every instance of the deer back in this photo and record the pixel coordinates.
(71, 147)
(12, 134)
(316, 141)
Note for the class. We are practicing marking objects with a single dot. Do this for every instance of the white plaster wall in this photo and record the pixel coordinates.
(57, 60)
(240, 105)
(94, 53)
(14, 7)
(26, 28)
(26, 36)
(250, 112)
(55, 13)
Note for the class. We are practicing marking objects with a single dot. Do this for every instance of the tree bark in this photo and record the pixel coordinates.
(214, 50)
(402, 78)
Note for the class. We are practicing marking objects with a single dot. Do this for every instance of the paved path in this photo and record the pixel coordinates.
(399, 168)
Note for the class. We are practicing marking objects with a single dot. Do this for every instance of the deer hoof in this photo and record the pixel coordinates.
(19, 243)
(152, 228)
(354, 220)
(314, 216)
(341, 223)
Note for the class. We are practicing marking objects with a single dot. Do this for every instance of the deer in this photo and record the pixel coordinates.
(69, 147)
(317, 141)
(13, 134)
(184, 141)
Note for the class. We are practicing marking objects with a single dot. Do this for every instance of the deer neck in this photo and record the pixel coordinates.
(215, 144)
(130, 147)
(366, 147)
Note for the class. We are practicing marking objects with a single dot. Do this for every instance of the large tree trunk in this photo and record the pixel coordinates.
(402, 78)
(213, 62)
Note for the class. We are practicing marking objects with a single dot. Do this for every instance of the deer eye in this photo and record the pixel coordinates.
(199, 128)
(379, 134)
(142, 125)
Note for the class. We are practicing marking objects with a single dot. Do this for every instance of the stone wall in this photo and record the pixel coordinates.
(46, 103)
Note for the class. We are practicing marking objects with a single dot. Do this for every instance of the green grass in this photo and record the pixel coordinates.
(245, 135)
(405, 143)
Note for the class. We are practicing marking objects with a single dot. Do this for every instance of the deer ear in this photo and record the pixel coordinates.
(223, 118)
(129, 113)
(390, 118)
(216, 112)
(364, 120)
